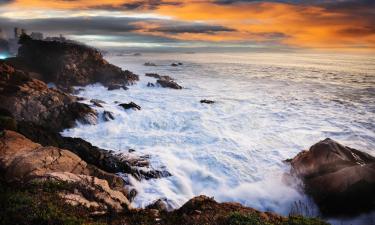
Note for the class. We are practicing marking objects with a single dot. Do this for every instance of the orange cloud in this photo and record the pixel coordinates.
(302, 25)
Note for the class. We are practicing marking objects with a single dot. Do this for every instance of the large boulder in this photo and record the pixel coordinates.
(67, 64)
(29, 99)
(340, 179)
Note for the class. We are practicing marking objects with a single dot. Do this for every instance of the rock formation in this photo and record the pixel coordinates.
(340, 179)
(69, 64)
(24, 161)
(29, 99)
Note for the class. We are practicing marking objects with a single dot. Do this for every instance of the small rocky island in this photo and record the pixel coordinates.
(50, 179)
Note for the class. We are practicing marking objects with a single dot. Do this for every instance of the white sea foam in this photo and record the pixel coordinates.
(268, 108)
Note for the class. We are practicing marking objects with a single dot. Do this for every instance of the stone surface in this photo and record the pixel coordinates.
(340, 179)
(29, 99)
(22, 160)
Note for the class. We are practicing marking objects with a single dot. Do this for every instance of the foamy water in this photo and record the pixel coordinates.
(268, 108)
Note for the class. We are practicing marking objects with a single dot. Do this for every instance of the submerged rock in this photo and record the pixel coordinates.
(340, 179)
(107, 116)
(130, 105)
(112, 87)
(154, 75)
(150, 84)
(97, 102)
(149, 64)
(205, 101)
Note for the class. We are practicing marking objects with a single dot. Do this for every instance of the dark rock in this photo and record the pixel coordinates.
(174, 64)
(162, 205)
(97, 102)
(69, 64)
(131, 150)
(150, 84)
(154, 75)
(168, 84)
(116, 87)
(31, 100)
(149, 64)
(180, 63)
(205, 101)
(130, 105)
(107, 116)
(340, 179)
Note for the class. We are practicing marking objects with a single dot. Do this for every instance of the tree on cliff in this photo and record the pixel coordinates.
(24, 38)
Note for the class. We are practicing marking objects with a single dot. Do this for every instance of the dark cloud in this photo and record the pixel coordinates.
(75, 25)
(138, 5)
(192, 28)
(2, 2)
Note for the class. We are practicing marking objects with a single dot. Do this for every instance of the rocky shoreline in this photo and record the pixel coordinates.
(34, 156)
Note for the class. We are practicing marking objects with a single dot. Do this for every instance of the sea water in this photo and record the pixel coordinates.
(268, 107)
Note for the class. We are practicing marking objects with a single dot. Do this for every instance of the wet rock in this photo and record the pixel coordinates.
(340, 179)
(174, 64)
(150, 84)
(106, 160)
(97, 102)
(205, 101)
(107, 116)
(116, 87)
(168, 84)
(130, 105)
(149, 64)
(154, 75)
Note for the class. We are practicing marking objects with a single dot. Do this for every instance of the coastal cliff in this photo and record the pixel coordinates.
(50, 179)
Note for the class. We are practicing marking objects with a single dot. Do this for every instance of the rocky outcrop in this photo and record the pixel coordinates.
(68, 64)
(104, 159)
(22, 160)
(164, 81)
(205, 101)
(340, 179)
(29, 99)
(130, 105)
(168, 84)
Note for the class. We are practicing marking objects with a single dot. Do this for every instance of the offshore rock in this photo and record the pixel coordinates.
(340, 179)
(130, 105)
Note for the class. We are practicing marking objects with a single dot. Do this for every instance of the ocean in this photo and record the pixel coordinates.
(268, 107)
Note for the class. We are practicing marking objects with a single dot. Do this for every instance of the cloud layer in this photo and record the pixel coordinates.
(293, 23)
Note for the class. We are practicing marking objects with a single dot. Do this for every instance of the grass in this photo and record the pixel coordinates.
(38, 204)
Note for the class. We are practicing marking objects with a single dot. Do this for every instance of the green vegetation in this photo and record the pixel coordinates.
(237, 218)
(38, 204)
(300, 220)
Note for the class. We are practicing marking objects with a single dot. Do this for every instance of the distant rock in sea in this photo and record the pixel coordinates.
(205, 101)
(130, 105)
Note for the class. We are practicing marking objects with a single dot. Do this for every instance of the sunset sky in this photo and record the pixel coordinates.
(332, 24)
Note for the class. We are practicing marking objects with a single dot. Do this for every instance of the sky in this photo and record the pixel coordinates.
(319, 24)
